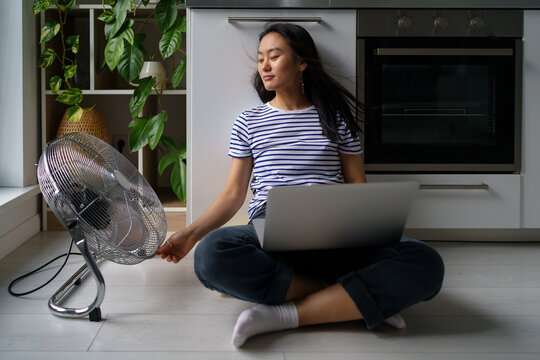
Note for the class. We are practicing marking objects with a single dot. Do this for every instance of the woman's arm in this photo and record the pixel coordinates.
(228, 201)
(352, 167)
(220, 211)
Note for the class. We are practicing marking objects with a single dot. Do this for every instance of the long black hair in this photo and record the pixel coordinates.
(331, 99)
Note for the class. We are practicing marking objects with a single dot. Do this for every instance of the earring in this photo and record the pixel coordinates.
(302, 82)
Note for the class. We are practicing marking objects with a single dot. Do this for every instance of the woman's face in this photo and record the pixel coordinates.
(278, 67)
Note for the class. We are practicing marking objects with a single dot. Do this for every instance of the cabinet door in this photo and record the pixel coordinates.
(222, 58)
(443, 206)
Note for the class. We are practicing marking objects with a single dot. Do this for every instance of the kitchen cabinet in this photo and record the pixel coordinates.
(222, 60)
(463, 201)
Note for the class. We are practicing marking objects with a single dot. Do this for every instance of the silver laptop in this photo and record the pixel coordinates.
(335, 216)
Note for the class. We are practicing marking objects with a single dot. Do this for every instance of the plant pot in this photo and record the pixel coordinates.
(91, 123)
(155, 69)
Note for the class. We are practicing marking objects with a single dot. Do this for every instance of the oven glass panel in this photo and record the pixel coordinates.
(444, 109)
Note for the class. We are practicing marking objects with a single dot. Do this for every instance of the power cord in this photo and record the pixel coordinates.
(38, 269)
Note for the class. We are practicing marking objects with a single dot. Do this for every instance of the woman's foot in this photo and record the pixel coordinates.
(263, 319)
(396, 321)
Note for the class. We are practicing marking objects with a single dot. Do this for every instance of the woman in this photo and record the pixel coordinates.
(305, 133)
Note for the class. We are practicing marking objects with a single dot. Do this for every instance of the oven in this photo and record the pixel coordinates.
(442, 90)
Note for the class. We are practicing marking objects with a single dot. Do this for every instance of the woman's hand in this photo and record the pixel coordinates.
(177, 247)
(219, 212)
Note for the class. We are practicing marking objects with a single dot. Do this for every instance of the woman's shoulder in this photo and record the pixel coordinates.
(256, 111)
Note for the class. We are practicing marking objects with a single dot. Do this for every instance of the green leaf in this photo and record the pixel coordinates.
(168, 142)
(171, 40)
(166, 14)
(138, 136)
(73, 42)
(120, 10)
(182, 181)
(131, 62)
(49, 30)
(126, 31)
(166, 160)
(106, 16)
(176, 155)
(55, 83)
(41, 5)
(156, 129)
(113, 51)
(71, 96)
(145, 2)
(46, 58)
(140, 95)
(139, 41)
(65, 5)
(74, 113)
(69, 71)
(183, 24)
(89, 109)
(178, 179)
(182, 150)
(178, 72)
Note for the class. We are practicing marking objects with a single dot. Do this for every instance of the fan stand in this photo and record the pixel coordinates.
(92, 310)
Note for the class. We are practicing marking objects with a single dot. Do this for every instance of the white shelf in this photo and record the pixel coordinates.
(175, 209)
(107, 7)
(102, 91)
(124, 92)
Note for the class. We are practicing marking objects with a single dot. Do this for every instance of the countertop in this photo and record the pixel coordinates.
(359, 4)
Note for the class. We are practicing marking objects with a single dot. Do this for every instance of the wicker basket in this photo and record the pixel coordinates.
(91, 123)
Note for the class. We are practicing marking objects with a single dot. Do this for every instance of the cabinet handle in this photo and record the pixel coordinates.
(454, 187)
(440, 51)
(274, 19)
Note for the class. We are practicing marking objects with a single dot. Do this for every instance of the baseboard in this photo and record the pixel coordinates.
(18, 235)
(481, 235)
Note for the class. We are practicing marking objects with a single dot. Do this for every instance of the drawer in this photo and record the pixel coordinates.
(441, 207)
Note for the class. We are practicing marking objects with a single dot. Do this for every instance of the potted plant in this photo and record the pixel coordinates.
(71, 95)
(125, 53)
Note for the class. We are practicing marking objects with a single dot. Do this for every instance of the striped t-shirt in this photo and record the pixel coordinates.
(288, 148)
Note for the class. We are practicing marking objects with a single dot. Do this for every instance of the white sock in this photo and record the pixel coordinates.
(262, 319)
(396, 321)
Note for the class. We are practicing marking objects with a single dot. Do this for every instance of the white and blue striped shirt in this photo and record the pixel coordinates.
(288, 148)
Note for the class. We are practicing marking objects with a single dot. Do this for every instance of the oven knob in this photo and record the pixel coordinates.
(404, 23)
(477, 23)
(440, 23)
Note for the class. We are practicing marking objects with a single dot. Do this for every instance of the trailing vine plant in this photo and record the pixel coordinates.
(125, 53)
(71, 96)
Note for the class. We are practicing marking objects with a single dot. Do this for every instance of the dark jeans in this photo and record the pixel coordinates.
(381, 281)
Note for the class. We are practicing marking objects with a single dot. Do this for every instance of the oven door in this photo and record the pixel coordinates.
(441, 105)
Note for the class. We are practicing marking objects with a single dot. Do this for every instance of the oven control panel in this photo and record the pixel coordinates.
(440, 22)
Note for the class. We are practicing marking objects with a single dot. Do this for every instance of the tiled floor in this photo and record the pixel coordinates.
(489, 308)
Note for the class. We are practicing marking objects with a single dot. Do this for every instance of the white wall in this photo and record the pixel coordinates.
(221, 60)
(530, 169)
(20, 144)
(19, 94)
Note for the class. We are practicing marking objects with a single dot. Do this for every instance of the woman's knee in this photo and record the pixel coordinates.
(218, 252)
(208, 256)
(429, 269)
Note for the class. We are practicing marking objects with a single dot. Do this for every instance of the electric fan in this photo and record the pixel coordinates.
(110, 210)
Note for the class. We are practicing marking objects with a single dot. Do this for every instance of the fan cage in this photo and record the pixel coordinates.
(84, 179)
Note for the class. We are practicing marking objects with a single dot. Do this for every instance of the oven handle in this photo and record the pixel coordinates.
(442, 52)
(482, 186)
(274, 19)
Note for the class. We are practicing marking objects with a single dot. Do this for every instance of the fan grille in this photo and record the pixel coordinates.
(83, 178)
